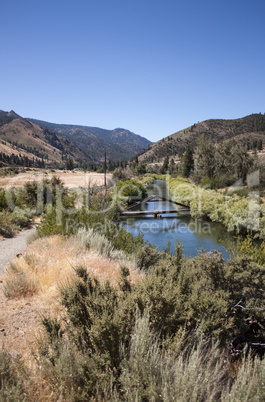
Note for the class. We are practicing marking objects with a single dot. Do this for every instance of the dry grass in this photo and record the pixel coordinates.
(69, 178)
(30, 135)
(49, 262)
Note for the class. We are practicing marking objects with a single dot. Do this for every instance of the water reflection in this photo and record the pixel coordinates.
(194, 234)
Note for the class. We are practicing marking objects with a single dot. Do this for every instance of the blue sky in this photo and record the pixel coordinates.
(153, 67)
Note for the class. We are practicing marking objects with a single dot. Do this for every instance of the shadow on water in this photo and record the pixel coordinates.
(194, 234)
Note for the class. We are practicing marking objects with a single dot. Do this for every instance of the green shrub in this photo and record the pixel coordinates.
(27, 196)
(100, 170)
(131, 190)
(51, 225)
(157, 338)
(7, 228)
(20, 218)
(148, 373)
(240, 214)
(147, 257)
(121, 239)
(214, 182)
(248, 246)
(119, 174)
(94, 335)
(3, 203)
(249, 383)
(147, 180)
(11, 379)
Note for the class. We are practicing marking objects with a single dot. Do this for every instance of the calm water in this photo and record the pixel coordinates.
(194, 234)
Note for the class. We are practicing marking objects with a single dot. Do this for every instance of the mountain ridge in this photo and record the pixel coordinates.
(119, 143)
(20, 138)
(55, 143)
(245, 130)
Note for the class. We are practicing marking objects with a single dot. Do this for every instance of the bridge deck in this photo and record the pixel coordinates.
(156, 212)
(154, 198)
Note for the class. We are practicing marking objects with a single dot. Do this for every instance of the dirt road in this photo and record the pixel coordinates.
(9, 248)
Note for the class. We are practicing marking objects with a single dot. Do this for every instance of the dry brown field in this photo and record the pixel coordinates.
(71, 179)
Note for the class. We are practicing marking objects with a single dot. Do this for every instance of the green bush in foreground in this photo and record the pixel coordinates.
(140, 341)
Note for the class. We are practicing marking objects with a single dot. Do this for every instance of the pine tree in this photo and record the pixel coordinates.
(188, 162)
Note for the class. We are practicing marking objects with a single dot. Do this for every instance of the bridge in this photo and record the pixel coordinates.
(156, 213)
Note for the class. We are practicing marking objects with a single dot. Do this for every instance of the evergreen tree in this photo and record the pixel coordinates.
(69, 164)
(205, 165)
(164, 167)
(187, 162)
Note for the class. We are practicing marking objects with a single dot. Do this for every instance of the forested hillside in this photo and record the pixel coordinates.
(213, 153)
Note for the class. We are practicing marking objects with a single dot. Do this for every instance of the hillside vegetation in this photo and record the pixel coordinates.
(120, 144)
(34, 143)
(20, 138)
(247, 131)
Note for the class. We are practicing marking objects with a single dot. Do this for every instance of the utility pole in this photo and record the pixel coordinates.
(105, 171)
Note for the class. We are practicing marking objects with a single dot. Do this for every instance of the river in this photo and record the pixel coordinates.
(195, 234)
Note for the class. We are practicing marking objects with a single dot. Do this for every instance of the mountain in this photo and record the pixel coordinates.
(22, 141)
(54, 143)
(119, 144)
(247, 131)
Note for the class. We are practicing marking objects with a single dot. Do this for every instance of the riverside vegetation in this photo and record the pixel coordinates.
(183, 329)
(232, 208)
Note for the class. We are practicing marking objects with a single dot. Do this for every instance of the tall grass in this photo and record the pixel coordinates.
(19, 283)
(94, 240)
(249, 384)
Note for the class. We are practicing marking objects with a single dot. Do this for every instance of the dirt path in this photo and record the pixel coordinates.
(9, 248)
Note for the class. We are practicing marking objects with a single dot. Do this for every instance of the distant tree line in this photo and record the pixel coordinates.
(20, 160)
(69, 164)
(31, 150)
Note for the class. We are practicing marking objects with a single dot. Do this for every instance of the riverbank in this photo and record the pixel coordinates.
(238, 214)
(195, 234)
